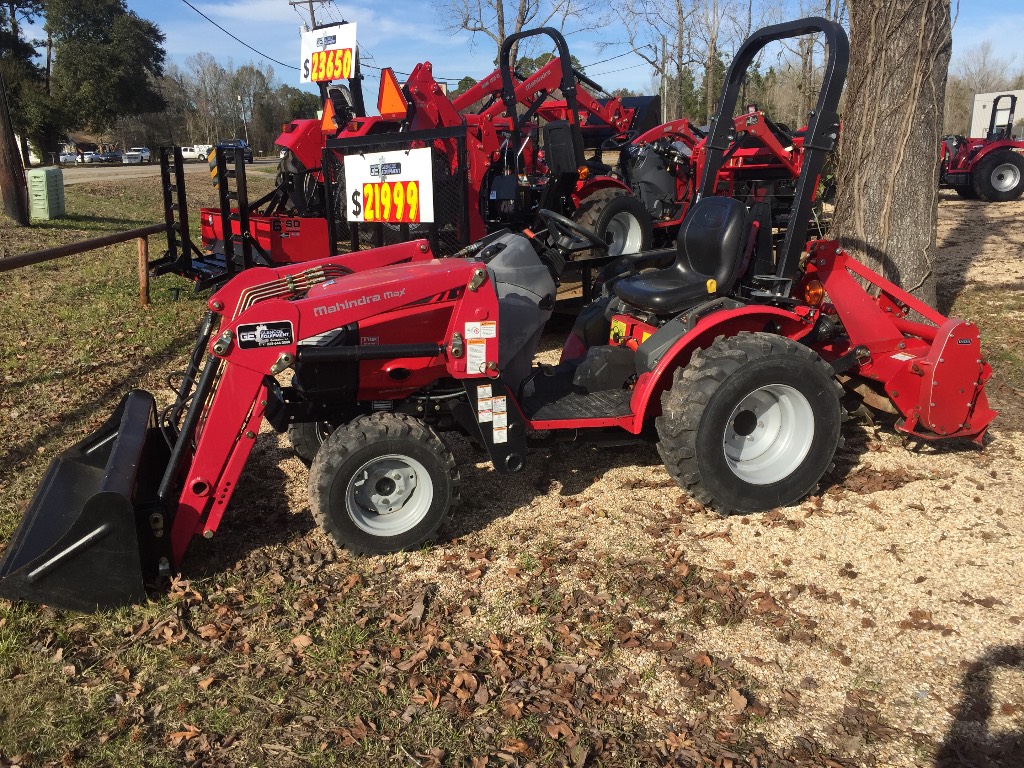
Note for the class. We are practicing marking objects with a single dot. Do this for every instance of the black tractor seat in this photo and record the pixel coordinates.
(712, 252)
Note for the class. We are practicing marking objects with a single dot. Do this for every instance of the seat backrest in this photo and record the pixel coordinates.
(563, 147)
(712, 241)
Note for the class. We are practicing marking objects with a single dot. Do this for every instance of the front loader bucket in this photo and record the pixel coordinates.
(78, 546)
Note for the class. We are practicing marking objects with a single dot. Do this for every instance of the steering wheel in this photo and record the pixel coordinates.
(619, 140)
(569, 229)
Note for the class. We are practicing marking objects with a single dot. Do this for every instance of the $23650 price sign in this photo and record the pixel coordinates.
(330, 65)
(394, 187)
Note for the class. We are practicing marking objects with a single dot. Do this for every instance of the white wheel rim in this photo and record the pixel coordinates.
(389, 495)
(624, 233)
(1005, 177)
(768, 434)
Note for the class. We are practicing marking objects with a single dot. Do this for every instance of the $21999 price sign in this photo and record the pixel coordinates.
(394, 202)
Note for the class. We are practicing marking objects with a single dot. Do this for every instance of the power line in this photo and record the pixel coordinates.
(218, 26)
(613, 58)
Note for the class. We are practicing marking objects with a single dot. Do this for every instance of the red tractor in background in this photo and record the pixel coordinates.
(500, 151)
(727, 355)
(511, 147)
(662, 168)
(989, 168)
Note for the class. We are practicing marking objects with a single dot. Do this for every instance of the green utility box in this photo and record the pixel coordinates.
(45, 193)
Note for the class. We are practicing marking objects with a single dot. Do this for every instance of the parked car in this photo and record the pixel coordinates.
(68, 157)
(90, 157)
(111, 157)
(136, 155)
(196, 152)
(231, 146)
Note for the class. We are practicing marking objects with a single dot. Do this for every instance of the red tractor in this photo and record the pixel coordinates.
(727, 355)
(990, 168)
(499, 152)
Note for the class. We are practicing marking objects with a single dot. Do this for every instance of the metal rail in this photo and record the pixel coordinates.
(73, 249)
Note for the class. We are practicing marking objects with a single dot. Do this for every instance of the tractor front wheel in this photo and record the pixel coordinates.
(1000, 177)
(617, 218)
(382, 483)
(751, 423)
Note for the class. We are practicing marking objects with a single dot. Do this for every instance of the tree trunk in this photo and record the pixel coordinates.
(887, 200)
(12, 174)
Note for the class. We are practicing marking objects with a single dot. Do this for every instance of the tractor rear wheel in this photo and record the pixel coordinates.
(965, 191)
(618, 218)
(751, 423)
(383, 483)
(1000, 177)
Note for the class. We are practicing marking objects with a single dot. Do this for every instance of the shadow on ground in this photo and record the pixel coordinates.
(972, 741)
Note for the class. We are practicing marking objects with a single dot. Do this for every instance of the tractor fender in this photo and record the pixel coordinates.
(596, 184)
(995, 146)
(304, 140)
(646, 401)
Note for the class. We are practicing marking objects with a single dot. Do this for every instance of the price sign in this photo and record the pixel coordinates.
(328, 54)
(391, 187)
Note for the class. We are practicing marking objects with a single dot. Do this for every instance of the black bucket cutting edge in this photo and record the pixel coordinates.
(86, 542)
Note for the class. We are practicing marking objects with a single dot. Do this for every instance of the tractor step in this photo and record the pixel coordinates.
(573, 405)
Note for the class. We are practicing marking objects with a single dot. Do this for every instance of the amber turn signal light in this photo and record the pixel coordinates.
(814, 293)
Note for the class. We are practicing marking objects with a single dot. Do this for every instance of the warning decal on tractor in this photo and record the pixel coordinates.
(484, 405)
(328, 54)
(256, 335)
(390, 187)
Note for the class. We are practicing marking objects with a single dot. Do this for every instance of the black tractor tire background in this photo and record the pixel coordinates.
(703, 396)
(304, 195)
(352, 445)
(597, 211)
(965, 191)
(307, 437)
(983, 186)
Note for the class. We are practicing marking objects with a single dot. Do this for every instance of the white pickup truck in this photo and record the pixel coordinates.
(196, 152)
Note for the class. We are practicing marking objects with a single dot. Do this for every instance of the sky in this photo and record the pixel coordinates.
(402, 33)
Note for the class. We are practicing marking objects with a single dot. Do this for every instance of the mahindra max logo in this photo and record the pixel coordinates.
(362, 301)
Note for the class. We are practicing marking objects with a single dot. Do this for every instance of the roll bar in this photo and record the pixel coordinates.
(567, 86)
(995, 110)
(822, 131)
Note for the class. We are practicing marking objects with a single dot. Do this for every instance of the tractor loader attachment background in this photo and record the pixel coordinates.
(87, 541)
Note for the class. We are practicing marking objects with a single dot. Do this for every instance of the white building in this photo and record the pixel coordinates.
(982, 112)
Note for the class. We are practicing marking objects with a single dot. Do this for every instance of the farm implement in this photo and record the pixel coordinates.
(726, 349)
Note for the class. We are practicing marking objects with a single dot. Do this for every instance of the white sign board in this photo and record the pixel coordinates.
(328, 54)
(394, 187)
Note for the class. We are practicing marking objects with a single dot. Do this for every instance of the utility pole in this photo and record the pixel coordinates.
(309, 4)
(12, 172)
(664, 79)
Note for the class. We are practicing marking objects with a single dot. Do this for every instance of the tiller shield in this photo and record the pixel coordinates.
(93, 535)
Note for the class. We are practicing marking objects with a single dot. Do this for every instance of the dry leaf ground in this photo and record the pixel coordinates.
(583, 613)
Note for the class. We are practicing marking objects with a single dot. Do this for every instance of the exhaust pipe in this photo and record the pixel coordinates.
(95, 532)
